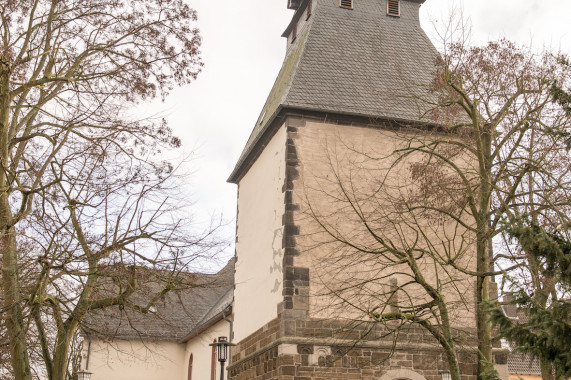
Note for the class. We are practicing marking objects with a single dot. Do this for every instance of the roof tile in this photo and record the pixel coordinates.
(175, 314)
(358, 62)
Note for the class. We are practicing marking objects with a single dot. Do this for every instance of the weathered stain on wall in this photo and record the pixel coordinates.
(259, 245)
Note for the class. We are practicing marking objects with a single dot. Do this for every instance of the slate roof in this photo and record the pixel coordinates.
(175, 314)
(354, 62)
(219, 311)
(521, 364)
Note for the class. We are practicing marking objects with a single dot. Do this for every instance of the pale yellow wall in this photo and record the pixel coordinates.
(259, 240)
(524, 377)
(332, 154)
(202, 352)
(135, 360)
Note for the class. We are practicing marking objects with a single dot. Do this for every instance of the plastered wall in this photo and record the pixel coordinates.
(524, 377)
(348, 184)
(259, 275)
(135, 360)
(202, 352)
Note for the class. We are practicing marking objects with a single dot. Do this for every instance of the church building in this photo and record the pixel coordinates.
(355, 71)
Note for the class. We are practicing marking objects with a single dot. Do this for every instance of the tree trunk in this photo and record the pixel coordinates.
(453, 365)
(60, 357)
(546, 370)
(451, 353)
(67, 330)
(483, 325)
(10, 287)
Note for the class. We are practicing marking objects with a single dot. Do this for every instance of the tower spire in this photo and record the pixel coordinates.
(370, 59)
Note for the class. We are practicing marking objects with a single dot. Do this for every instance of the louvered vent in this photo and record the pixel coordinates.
(347, 4)
(393, 8)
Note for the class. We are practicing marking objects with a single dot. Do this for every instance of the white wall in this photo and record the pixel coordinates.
(259, 240)
(135, 360)
(202, 352)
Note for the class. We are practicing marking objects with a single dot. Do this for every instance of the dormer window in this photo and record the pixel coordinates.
(393, 8)
(348, 4)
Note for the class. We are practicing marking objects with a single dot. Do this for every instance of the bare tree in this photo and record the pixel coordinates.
(506, 93)
(388, 248)
(423, 208)
(82, 184)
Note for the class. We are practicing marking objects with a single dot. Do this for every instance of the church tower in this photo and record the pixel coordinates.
(352, 68)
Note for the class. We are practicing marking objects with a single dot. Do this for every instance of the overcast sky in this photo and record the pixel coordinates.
(242, 51)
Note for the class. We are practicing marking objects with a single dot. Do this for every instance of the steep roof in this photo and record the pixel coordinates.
(174, 315)
(521, 364)
(354, 62)
(217, 312)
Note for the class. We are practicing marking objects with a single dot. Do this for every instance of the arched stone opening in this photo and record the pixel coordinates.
(401, 374)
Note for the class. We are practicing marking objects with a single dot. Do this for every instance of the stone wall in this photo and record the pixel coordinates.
(297, 348)
(288, 361)
(302, 343)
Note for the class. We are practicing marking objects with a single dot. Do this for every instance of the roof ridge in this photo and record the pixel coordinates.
(276, 97)
(217, 303)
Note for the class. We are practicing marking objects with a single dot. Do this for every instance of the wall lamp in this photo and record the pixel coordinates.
(222, 348)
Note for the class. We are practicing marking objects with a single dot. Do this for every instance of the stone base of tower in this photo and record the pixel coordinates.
(304, 361)
(323, 349)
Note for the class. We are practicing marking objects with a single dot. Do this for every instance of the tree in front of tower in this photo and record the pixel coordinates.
(423, 217)
(541, 288)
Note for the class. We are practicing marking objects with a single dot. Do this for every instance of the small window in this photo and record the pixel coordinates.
(393, 8)
(346, 4)
(190, 360)
(308, 12)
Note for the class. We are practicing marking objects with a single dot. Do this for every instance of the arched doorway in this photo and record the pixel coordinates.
(401, 374)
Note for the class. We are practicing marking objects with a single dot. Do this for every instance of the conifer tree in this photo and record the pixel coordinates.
(546, 334)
